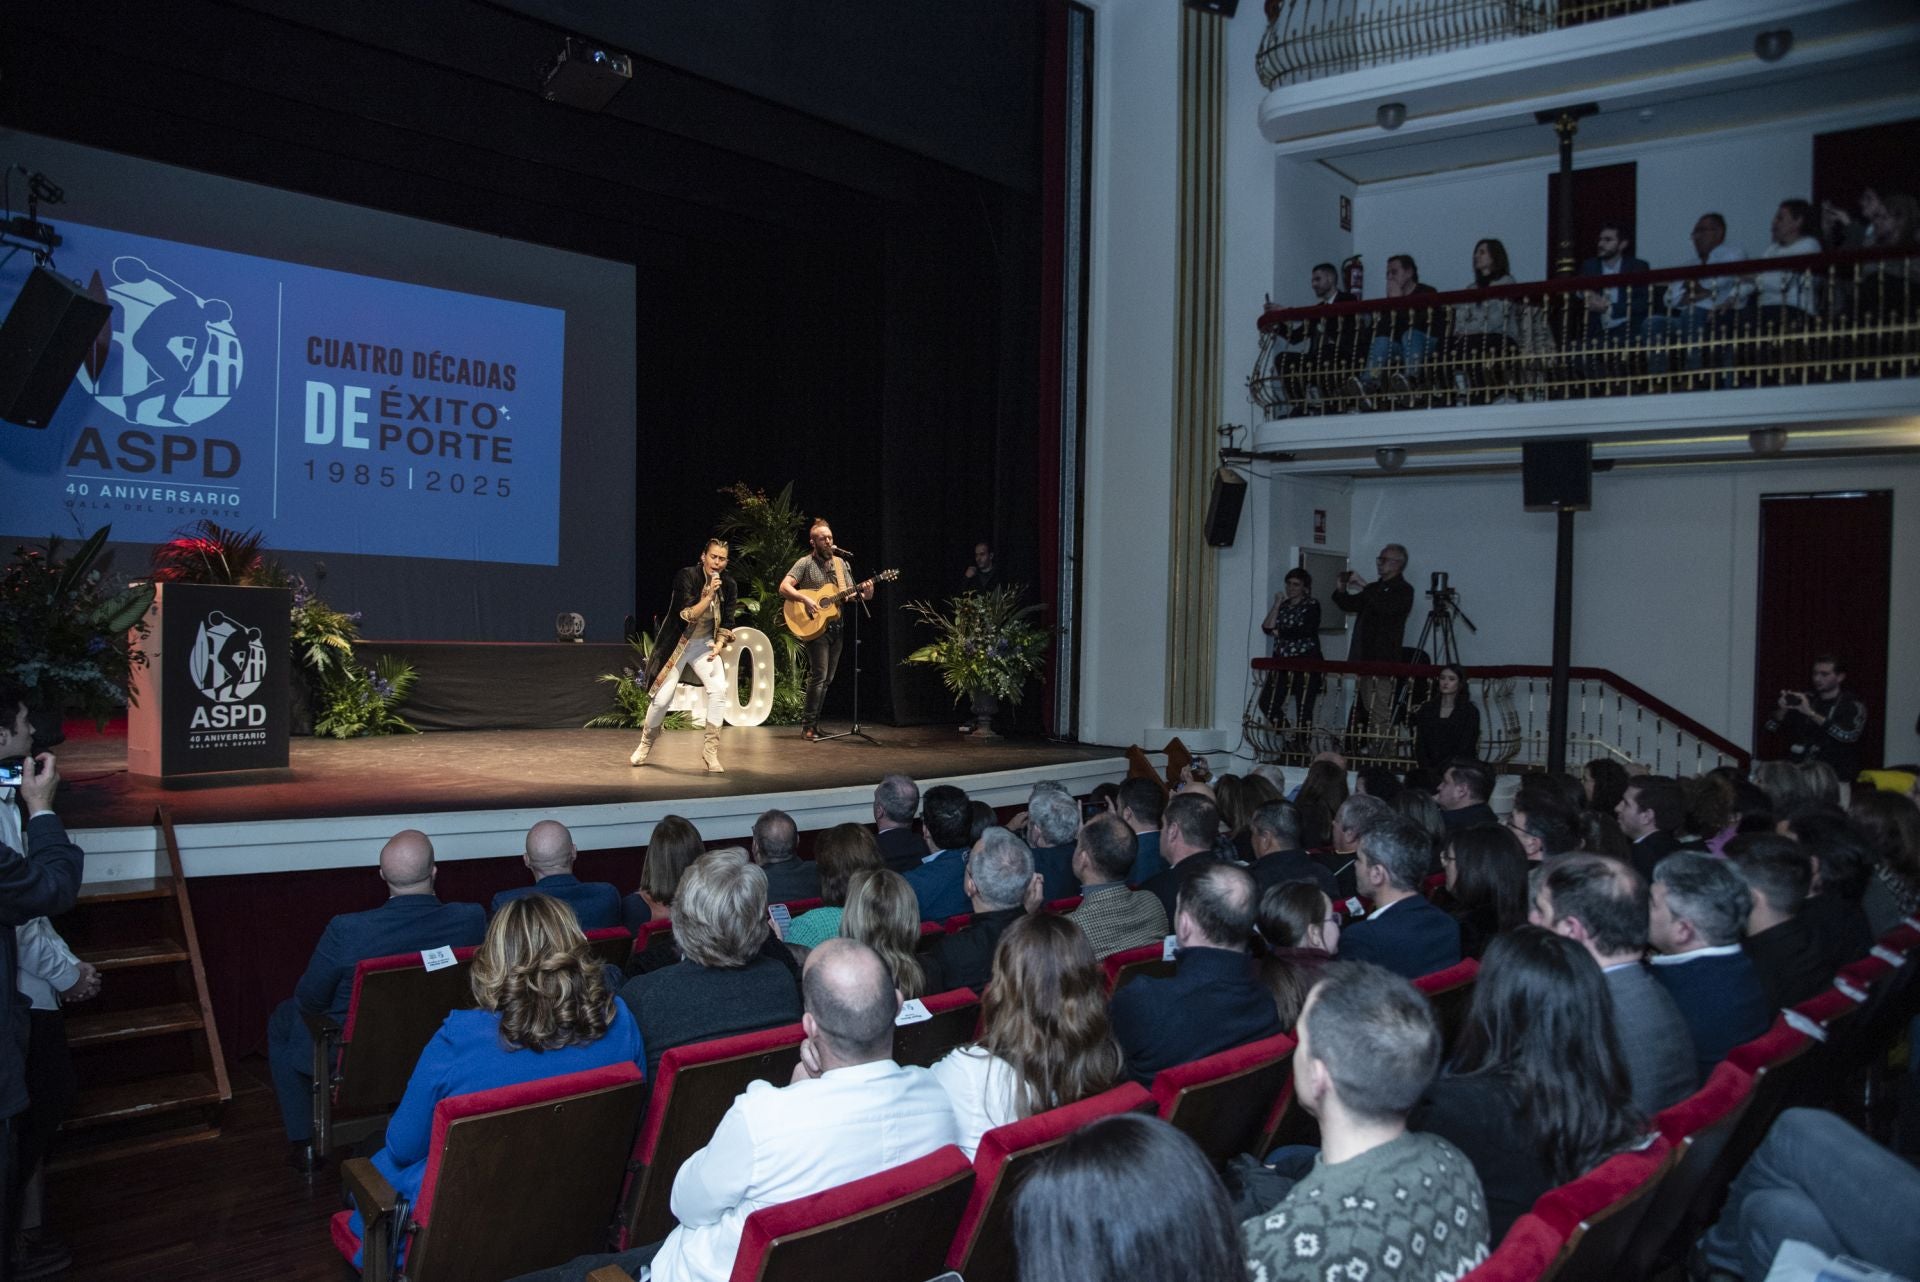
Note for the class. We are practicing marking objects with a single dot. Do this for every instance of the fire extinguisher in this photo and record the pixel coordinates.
(1356, 276)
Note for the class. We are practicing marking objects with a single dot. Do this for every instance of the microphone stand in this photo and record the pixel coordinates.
(854, 732)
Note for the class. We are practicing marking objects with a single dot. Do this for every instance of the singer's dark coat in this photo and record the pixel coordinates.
(687, 586)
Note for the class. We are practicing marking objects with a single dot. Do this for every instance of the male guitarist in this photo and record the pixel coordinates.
(698, 627)
(820, 569)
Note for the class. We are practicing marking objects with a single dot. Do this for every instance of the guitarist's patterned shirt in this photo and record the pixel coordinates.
(811, 572)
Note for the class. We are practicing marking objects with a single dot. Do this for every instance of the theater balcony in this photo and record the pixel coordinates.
(1824, 348)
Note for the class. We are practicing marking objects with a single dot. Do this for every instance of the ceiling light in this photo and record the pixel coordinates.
(1391, 115)
(1772, 46)
(1391, 458)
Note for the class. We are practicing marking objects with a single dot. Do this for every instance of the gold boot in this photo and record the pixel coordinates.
(710, 751)
(640, 754)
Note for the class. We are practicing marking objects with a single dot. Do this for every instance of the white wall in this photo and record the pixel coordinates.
(1666, 569)
(1306, 198)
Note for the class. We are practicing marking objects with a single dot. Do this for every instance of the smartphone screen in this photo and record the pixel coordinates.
(10, 775)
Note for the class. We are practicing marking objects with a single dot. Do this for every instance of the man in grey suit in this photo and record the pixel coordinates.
(1602, 904)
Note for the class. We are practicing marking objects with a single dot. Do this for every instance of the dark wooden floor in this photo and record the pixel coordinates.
(226, 1208)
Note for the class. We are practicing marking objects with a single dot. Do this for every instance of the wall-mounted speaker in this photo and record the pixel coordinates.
(42, 342)
(1557, 474)
(1223, 507)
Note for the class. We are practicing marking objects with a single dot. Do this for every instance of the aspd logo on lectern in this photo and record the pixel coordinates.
(216, 683)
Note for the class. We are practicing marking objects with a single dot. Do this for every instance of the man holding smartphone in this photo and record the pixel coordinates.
(1381, 609)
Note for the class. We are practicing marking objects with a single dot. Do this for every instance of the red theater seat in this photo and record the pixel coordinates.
(610, 945)
(956, 1015)
(1599, 1212)
(1523, 1255)
(1231, 1102)
(1129, 964)
(1451, 992)
(1698, 1128)
(658, 928)
(1065, 905)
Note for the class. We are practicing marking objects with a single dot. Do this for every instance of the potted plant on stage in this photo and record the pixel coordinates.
(987, 649)
(63, 633)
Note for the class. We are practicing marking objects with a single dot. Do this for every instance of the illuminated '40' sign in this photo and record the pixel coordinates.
(752, 643)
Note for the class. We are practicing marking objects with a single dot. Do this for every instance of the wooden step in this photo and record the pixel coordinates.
(133, 1101)
(126, 1025)
(152, 952)
(119, 892)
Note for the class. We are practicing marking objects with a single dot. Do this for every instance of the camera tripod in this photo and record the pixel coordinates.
(1439, 625)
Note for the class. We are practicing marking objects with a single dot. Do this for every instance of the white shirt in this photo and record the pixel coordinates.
(1720, 289)
(778, 1143)
(45, 967)
(983, 1090)
(1787, 289)
(1681, 959)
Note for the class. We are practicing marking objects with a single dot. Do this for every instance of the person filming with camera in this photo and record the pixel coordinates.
(1825, 724)
(1380, 611)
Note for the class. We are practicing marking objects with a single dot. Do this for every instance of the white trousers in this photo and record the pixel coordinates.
(701, 657)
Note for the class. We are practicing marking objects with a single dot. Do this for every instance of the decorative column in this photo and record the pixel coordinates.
(1191, 601)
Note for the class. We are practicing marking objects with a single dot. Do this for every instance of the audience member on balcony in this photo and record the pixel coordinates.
(948, 815)
(882, 913)
(1616, 314)
(775, 839)
(1356, 815)
(411, 920)
(1045, 1039)
(1890, 824)
(1486, 889)
(1321, 795)
(1465, 786)
(1140, 803)
(1379, 1197)
(1112, 917)
(1537, 1093)
(1780, 941)
(674, 846)
(1650, 814)
(1380, 611)
(1841, 230)
(1448, 724)
(1700, 312)
(1402, 338)
(1484, 331)
(999, 882)
(1278, 856)
(1318, 347)
(1124, 1199)
(1785, 299)
(1697, 912)
(1189, 829)
(896, 799)
(840, 852)
(1404, 932)
(1824, 724)
(1602, 904)
(723, 983)
(549, 856)
(1214, 1000)
(1294, 624)
(1842, 867)
(1302, 934)
(541, 1011)
(1053, 821)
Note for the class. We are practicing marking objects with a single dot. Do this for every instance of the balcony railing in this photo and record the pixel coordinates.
(1814, 319)
(1300, 707)
(1309, 39)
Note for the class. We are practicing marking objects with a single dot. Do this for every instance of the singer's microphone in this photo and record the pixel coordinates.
(840, 551)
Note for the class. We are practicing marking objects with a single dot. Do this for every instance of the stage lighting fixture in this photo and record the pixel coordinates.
(1391, 115)
(585, 75)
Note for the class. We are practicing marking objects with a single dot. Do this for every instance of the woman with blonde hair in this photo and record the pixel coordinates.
(542, 1009)
(882, 913)
(1046, 1041)
(842, 851)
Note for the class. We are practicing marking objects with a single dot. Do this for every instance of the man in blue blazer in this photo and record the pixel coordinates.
(412, 920)
(1697, 911)
(1214, 1000)
(938, 881)
(549, 857)
(1403, 933)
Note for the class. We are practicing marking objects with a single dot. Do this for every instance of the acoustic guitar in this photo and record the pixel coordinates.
(826, 602)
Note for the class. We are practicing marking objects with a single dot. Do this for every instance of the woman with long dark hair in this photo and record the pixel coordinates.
(1319, 800)
(1537, 1092)
(1302, 934)
(1486, 870)
(1447, 725)
(1604, 781)
(1483, 331)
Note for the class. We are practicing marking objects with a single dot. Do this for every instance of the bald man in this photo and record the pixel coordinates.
(549, 858)
(411, 920)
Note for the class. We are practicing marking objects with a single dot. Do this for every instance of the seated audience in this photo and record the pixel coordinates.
(1214, 1000)
(896, 799)
(1447, 726)
(1053, 821)
(549, 857)
(723, 984)
(1140, 802)
(1699, 311)
(999, 879)
(1709, 808)
(1189, 827)
(1779, 939)
(948, 816)
(882, 913)
(1842, 867)
(1465, 786)
(1321, 795)
(1378, 782)
(541, 1011)
(1045, 1040)
(1602, 904)
(1379, 1196)
(1890, 825)
(671, 850)
(775, 839)
(1404, 933)
(840, 852)
(1402, 337)
(1650, 814)
(1617, 314)
(1126, 1199)
(1537, 1092)
(1697, 913)
(1785, 298)
(1544, 826)
(1302, 934)
(1274, 832)
(411, 920)
(1604, 781)
(1486, 875)
(1484, 331)
(1356, 815)
(1111, 916)
(1815, 1179)
(1785, 784)
(980, 817)
(1418, 805)
(1238, 798)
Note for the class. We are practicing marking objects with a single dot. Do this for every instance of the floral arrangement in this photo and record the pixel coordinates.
(63, 628)
(763, 536)
(630, 697)
(363, 701)
(988, 643)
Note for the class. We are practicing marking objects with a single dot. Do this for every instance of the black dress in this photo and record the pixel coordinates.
(1296, 635)
(1438, 740)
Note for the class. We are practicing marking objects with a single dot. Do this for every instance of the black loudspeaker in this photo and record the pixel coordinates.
(42, 342)
(1223, 507)
(1557, 474)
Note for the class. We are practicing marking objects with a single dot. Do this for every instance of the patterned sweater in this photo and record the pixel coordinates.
(1410, 1209)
